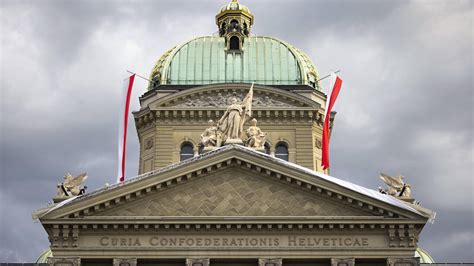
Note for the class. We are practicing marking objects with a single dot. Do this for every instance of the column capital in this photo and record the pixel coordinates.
(74, 261)
(197, 262)
(125, 262)
(403, 261)
(342, 261)
(270, 262)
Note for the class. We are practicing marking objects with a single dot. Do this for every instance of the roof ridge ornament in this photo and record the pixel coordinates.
(396, 187)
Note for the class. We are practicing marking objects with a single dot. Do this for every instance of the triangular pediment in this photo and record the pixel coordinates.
(239, 182)
(234, 191)
(217, 96)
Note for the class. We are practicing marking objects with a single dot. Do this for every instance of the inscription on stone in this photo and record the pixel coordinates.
(288, 241)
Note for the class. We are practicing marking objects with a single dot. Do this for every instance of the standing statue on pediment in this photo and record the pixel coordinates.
(232, 122)
(255, 137)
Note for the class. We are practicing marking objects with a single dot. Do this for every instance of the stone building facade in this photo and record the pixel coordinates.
(233, 205)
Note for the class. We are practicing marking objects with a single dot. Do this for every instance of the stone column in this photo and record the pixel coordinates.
(342, 262)
(270, 262)
(64, 261)
(197, 262)
(403, 261)
(125, 262)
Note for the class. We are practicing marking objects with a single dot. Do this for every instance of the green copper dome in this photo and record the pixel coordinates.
(424, 256)
(43, 257)
(263, 60)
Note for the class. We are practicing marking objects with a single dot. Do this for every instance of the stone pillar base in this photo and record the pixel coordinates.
(403, 261)
(342, 262)
(64, 261)
(125, 262)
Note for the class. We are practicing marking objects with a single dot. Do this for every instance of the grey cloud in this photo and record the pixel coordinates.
(406, 104)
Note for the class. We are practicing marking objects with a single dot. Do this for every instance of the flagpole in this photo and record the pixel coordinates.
(141, 76)
(327, 76)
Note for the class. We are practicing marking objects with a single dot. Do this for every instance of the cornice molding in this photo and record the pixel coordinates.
(156, 181)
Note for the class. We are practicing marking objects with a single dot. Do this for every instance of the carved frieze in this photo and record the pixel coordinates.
(221, 100)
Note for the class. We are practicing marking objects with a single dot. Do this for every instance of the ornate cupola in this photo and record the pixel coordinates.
(234, 21)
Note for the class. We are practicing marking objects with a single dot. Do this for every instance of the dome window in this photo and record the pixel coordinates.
(187, 151)
(222, 29)
(234, 25)
(234, 43)
(281, 151)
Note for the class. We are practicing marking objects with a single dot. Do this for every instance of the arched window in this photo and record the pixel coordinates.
(234, 43)
(187, 151)
(267, 147)
(234, 24)
(222, 29)
(246, 31)
(281, 151)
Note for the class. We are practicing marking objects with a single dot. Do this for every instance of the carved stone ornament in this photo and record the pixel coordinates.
(270, 262)
(149, 143)
(232, 122)
(64, 261)
(229, 128)
(222, 99)
(317, 143)
(125, 262)
(71, 186)
(255, 137)
(342, 262)
(396, 186)
(197, 262)
(211, 137)
(403, 261)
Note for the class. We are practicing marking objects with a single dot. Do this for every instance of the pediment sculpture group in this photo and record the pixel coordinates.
(230, 127)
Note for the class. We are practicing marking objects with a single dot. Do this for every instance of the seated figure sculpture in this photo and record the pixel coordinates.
(255, 137)
(209, 138)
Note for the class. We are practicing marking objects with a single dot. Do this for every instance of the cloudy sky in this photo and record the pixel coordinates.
(406, 104)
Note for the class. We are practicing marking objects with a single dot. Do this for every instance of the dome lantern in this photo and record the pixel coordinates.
(234, 22)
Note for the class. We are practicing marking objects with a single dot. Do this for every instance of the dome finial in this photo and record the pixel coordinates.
(234, 19)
